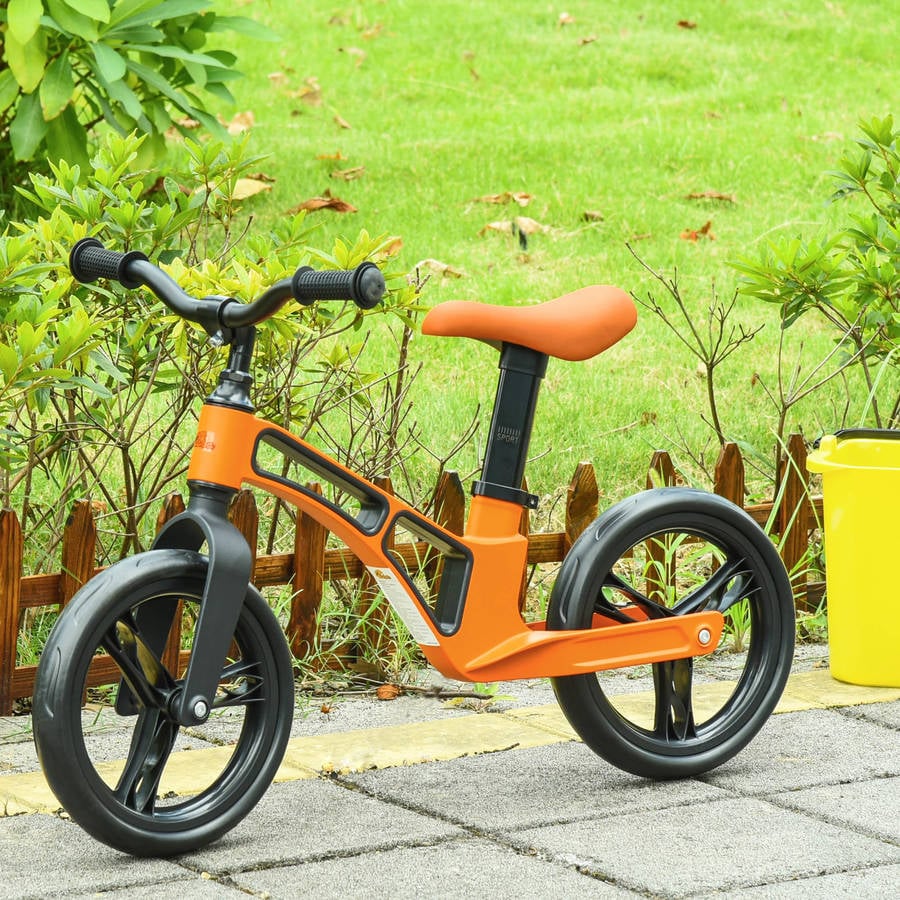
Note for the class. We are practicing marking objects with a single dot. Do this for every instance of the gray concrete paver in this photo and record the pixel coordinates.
(311, 819)
(808, 748)
(878, 883)
(868, 807)
(453, 869)
(43, 856)
(524, 788)
(724, 844)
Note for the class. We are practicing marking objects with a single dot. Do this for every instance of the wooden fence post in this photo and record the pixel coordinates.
(661, 472)
(793, 517)
(10, 582)
(729, 475)
(172, 506)
(78, 550)
(244, 515)
(582, 500)
(450, 503)
(308, 576)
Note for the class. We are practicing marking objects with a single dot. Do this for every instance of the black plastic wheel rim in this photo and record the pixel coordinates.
(143, 788)
(675, 573)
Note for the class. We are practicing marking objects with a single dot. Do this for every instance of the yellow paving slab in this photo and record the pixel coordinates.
(417, 742)
(818, 688)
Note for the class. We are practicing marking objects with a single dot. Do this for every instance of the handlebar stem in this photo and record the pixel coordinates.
(236, 379)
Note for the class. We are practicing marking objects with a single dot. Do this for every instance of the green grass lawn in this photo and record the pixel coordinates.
(621, 110)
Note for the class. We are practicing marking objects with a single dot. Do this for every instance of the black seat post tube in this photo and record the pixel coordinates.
(521, 371)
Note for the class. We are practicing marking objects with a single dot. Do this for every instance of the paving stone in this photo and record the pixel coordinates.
(879, 882)
(522, 788)
(719, 845)
(311, 819)
(43, 856)
(468, 868)
(869, 807)
(809, 748)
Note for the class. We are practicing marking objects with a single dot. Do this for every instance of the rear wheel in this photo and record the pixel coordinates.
(114, 762)
(672, 552)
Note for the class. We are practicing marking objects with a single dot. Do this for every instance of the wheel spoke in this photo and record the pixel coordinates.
(241, 685)
(716, 594)
(141, 669)
(152, 742)
(674, 713)
(603, 606)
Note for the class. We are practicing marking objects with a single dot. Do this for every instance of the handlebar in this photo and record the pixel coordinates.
(90, 260)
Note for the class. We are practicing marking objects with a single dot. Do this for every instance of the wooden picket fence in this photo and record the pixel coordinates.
(312, 563)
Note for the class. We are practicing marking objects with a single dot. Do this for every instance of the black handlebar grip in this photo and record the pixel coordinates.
(364, 285)
(90, 260)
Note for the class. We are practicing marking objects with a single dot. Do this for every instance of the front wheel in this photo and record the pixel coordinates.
(665, 552)
(110, 752)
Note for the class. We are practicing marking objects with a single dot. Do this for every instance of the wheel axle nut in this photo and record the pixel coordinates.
(704, 636)
(200, 709)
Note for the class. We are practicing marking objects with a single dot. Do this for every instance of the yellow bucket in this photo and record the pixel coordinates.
(861, 494)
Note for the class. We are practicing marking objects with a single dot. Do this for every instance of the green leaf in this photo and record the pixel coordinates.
(28, 127)
(9, 363)
(202, 59)
(9, 90)
(23, 18)
(72, 22)
(110, 64)
(57, 87)
(92, 9)
(67, 139)
(245, 26)
(27, 61)
(146, 13)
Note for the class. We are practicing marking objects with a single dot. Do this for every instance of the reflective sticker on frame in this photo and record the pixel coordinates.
(398, 596)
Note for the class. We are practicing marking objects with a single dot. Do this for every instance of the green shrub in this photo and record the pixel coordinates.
(135, 65)
(850, 276)
(98, 388)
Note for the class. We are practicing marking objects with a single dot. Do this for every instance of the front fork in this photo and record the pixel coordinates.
(205, 521)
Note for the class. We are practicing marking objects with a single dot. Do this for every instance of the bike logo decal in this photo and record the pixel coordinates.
(206, 440)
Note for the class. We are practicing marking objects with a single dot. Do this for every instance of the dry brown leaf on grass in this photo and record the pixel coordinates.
(704, 231)
(439, 268)
(712, 195)
(583, 42)
(387, 692)
(336, 156)
(565, 19)
(310, 92)
(326, 201)
(519, 197)
(687, 24)
(358, 55)
(592, 215)
(342, 122)
(521, 224)
(349, 174)
(251, 185)
(240, 123)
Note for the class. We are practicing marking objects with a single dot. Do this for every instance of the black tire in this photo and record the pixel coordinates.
(714, 556)
(135, 811)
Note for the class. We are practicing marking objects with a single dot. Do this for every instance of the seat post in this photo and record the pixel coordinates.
(521, 371)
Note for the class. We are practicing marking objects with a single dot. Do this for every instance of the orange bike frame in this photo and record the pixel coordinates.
(486, 639)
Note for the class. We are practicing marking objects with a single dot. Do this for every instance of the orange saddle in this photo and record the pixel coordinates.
(575, 326)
